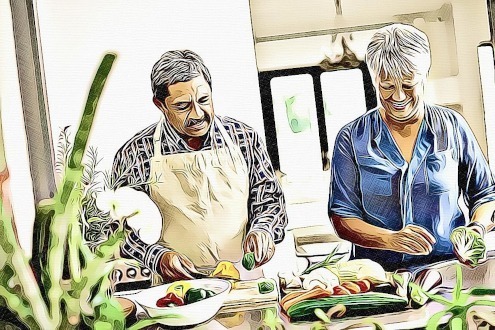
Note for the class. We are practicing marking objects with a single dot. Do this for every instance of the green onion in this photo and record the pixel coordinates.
(329, 260)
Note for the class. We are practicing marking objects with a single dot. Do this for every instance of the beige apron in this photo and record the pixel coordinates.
(203, 200)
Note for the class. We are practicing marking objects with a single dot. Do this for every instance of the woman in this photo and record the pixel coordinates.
(398, 171)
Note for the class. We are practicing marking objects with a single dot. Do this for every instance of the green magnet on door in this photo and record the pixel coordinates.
(297, 122)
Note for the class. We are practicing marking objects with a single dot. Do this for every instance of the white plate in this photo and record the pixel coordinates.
(191, 314)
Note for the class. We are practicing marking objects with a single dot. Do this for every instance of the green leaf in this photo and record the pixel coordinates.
(482, 292)
(434, 320)
(321, 315)
(435, 297)
(329, 260)
(456, 294)
(151, 321)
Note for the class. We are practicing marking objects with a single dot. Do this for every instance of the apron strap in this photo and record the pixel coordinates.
(223, 133)
(157, 141)
(229, 143)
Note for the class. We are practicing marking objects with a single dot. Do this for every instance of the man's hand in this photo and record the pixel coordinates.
(413, 240)
(175, 266)
(261, 243)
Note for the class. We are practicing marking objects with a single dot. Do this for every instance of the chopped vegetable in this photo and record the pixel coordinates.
(360, 269)
(352, 287)
(469, 246)
(401, 282)
(340, 291)
(179, 288)
(290, 280)
(248, 261)
(364, 285)
(427, 281)
(195, 295)
(298, 296)
(321, 315)
(359, 304)
(322, 277)
(265, 287)
(170, 300)
(227, 270)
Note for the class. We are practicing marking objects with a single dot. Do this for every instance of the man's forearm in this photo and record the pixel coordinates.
(148, 255)
(361, 233)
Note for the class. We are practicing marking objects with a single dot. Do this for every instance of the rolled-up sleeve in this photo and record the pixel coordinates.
(267, 210)
(148, 255)
(475, 176)
(345, 194)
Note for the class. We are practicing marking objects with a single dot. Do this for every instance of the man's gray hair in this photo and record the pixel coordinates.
(176, 66)
(398, 50)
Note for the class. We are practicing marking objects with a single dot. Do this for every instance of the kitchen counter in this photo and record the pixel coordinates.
(269, 316)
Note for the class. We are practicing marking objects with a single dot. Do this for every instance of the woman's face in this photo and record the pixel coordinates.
(402, 99)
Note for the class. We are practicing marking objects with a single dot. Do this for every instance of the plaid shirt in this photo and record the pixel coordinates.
(266, 204)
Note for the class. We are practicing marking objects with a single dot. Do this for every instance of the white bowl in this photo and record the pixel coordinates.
(191, 314)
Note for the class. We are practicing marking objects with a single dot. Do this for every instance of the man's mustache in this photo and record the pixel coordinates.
(192, 121)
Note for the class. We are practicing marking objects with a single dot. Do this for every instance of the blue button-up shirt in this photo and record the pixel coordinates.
(372, 181)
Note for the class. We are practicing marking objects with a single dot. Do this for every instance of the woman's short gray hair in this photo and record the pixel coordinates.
(398, 50)
(176, 66)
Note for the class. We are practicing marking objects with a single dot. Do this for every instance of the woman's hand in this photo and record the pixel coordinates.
(411, 239)
(469, 244)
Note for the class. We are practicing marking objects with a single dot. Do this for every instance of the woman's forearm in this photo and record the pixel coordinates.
(361, 233)
(484, 215)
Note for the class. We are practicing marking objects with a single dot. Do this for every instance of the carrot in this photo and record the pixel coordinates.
(295, 297)
(352, 287)
(340, 291)
(364, 285)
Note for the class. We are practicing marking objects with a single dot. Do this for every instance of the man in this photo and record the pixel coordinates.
(398, 171)
(210, 177)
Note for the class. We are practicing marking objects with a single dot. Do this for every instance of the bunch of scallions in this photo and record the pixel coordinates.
(39, 292)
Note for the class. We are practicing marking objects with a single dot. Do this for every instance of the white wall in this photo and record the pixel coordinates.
(455, 76)
(14, 133)
(74, 37)
(76, 34)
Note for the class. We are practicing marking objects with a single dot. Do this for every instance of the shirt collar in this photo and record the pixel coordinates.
(177, 140)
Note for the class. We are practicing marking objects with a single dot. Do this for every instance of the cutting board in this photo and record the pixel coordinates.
(246, 296)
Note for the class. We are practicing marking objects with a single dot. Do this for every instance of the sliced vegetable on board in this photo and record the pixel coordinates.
(301, 295)
(358, 304)
(265, 287)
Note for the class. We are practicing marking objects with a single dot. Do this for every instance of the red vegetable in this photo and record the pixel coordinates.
(170, 299)
(339, 290)
(364, 285)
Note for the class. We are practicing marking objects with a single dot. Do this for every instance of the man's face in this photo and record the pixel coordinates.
(189, 107)
(401, 98)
